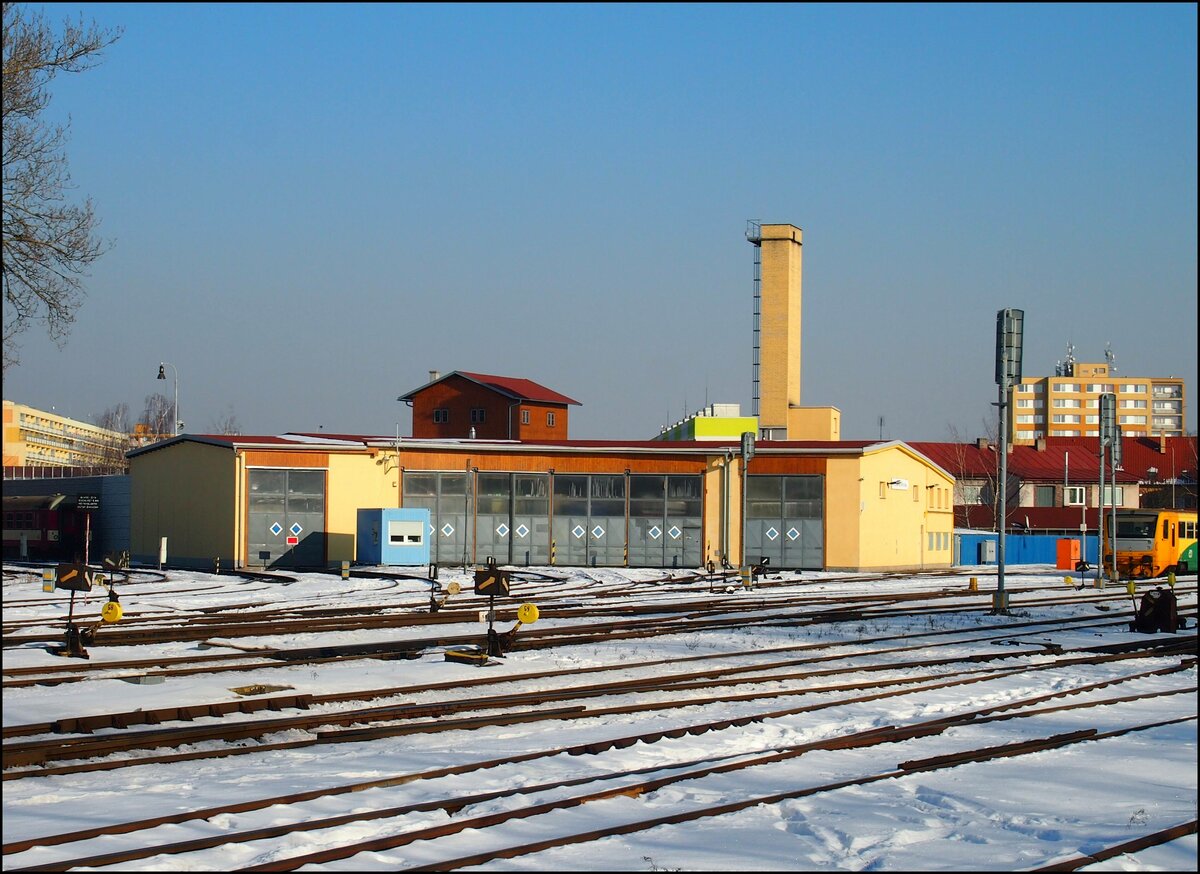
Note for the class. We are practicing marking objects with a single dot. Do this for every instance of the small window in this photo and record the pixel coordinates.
(477, 415)
(1044, 496)
(1166, 525)
(524, 417)
(441, 415)
(1073, 496)
(549, 420)
(931, 541)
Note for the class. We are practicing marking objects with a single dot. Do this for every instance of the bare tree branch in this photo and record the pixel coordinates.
(49, 244)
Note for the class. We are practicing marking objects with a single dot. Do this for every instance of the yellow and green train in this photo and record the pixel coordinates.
(1152, 543)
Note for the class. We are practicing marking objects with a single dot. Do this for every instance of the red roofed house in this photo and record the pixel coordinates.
(1054, 483)
(463, 405)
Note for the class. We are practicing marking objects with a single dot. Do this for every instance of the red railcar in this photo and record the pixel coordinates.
(43, 528)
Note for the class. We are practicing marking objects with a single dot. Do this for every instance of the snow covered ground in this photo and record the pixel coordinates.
(1002, 814)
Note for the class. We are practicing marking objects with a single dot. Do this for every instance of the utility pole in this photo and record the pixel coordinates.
(1010, 326)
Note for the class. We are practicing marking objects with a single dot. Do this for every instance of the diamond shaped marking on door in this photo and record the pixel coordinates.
(792, 534)
(447, 529)
(674, 532)
(655, 532)
(771, 533)
(295, 529)
(597, 532)
(276, 529)
(502, 530)
(522, 531)
(578, 531)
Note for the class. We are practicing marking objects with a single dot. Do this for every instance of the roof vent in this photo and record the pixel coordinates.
(435, 375)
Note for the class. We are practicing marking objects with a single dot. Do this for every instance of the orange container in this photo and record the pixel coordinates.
(1067, 554)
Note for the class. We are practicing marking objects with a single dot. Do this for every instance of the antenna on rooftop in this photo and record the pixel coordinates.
(1111, 358)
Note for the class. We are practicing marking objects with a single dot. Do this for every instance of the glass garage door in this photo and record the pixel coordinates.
(785, 521)
(286, 518)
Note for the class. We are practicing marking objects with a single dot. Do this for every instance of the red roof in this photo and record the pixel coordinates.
(1067, 457)
(523, 389)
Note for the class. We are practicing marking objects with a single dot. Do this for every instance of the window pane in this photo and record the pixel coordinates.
(420, 484)
(763, 488)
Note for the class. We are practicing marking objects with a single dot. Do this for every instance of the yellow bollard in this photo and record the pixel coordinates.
(974, 584)
(1131, 588)
(1171, 579)
(1069, 581)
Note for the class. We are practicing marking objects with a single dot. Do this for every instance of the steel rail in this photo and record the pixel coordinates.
(978, 716)
(1136, 845)
(476, 823)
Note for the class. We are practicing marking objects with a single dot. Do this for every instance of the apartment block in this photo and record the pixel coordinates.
(1068, 404)
(34, 437)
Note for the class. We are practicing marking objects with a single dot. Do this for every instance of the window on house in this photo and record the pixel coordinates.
(1044, 497)
(1119, 492)
(477, 415)
(524, 417)
(441, 415)
(1073, 496)
(969, 493)
(549, 420)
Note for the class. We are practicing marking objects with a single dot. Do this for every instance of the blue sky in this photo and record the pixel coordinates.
(311, 206)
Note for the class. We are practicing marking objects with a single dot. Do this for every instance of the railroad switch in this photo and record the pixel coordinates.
(435, 603)
(527, 614)
(468, 655)
(1157, 613)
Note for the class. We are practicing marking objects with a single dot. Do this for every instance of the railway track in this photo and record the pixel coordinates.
(651, 744)
(524, 706)
(629, 785)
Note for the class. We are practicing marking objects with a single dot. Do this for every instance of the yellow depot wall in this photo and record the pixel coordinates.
(844, 495)
(356, 481)
(187, 493)
(895, 523)
(712, 510)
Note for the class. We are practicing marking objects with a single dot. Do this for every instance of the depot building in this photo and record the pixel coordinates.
(292, 500)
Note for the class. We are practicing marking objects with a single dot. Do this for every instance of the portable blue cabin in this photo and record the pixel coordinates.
(393, 535)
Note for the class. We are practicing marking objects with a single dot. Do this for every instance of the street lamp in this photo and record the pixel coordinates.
(175, 410)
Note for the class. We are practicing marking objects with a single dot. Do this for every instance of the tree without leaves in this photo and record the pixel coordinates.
(159, 416)
(48, 243)
(227, 424)
(115, 418)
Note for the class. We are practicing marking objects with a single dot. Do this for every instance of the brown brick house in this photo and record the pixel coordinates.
(463, 404)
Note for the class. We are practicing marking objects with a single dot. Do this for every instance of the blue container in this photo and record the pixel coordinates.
(393, 535)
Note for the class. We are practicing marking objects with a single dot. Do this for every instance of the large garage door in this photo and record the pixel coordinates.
(286, 518)
(785, 521)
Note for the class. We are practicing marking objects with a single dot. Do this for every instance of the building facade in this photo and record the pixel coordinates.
(293, 500)
(1068, 405)
(37, 438)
